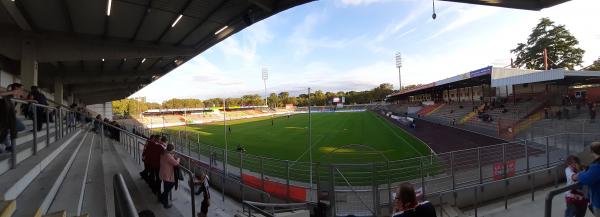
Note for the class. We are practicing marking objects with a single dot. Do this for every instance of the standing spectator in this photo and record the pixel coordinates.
(152, 158)
(575, 199)
(10, 125)
(145, 174)
(406, 204)
(591, 178)
(38, 97)
(97, 123)
(204, 189)
(167, 174)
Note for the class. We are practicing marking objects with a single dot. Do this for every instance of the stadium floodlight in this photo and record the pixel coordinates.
(176, 20)
(108, 8)
(265, 76)
(220, 30)
(399, 66)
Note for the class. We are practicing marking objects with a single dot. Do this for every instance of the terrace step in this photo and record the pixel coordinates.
(7, 208)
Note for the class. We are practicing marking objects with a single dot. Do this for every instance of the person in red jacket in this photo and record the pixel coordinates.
(145, 174)
(152, 157)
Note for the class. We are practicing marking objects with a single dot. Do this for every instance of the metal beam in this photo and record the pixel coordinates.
(107, 86)
(124, 76)
(139, 26)
(212, 12)
(95, 89)
(15, 13)
(162, 35)
(67, 13)
(52, 47)
(266, 5)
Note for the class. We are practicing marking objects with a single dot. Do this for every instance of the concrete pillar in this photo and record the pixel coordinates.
(58, 91)
(72, 98)
(29, 64)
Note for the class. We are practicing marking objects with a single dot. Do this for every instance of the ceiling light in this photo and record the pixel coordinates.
(220, 30)
(108, 8)
(102, 59)
(143, 60)
(177, 20)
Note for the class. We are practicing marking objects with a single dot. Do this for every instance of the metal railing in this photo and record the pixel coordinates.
(368, 186)
(269, 209)
(134, 145)
(552, 194)
(124, 206)
(64, 123)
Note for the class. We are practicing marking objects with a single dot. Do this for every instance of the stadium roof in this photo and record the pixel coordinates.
(107, 52)
(497, 77)
(517, 4)
(104, 50)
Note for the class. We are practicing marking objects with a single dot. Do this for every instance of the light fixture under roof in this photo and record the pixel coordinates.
(177, 20)
(220, 30)
(108, 8)
(143, 60)
(102, 59)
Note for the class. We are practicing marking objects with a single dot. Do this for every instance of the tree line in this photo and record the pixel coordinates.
(127, 107)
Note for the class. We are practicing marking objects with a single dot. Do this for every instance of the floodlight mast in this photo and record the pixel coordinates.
(399, 66)
(265, 76)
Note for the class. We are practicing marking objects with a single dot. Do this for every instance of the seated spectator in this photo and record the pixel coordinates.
(406, 204)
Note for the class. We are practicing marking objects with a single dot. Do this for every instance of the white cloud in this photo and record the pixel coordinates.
(465, 16)
(359, 2)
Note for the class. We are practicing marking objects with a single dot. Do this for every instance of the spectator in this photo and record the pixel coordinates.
(152, 158)
(97, 123)
(145, 174)
(591, 178)
(575, 199)
(204, 189)
(406, 204)
(9, 124)
(38, 97)
(167, 174)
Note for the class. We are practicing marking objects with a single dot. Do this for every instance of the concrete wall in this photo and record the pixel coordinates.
(104, 109)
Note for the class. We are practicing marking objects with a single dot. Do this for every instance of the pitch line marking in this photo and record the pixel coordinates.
(391, 129)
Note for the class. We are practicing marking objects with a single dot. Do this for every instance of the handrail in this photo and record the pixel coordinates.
(124, 206)
(255, 206)
(551, 194)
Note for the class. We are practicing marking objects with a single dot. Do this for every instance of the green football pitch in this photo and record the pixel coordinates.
(341, 137)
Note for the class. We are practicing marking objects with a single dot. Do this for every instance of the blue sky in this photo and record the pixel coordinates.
(350, 45)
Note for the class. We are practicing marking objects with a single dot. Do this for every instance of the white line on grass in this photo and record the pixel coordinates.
(391, 129)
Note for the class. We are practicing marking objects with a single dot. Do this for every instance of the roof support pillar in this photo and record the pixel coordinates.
(29, 64)
(58, 91)
(71, 98)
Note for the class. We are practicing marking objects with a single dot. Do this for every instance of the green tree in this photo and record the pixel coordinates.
(273, 100)
(595, 66)
(560, 44)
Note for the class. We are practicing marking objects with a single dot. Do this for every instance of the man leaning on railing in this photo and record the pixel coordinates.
(591, 178)
(9, 124)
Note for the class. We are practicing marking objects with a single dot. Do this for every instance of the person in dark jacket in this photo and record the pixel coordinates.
(9, 124)
(38, 97)
(406, 204)
(591, 178)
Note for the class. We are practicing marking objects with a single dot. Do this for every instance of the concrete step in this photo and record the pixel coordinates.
(57, 214)
(95, 199)
(71, 192)
(7, 208)
(24, 150)
(42, 188)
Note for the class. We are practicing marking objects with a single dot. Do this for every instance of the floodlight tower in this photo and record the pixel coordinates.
(265, 76)
(399, 66)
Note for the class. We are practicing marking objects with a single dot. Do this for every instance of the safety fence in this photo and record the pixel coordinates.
(366, 189)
